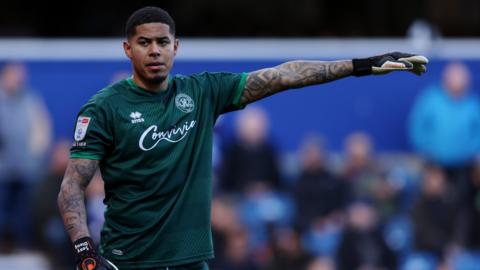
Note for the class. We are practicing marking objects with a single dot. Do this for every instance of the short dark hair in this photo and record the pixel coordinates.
(148, 15)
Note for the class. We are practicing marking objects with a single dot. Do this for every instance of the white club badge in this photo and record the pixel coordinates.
(81, 128)
(184, 103)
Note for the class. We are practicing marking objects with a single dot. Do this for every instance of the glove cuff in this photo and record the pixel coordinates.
(83, 248)
(362, 67)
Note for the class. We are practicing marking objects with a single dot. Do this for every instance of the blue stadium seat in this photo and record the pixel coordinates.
(269, 208)
(419, 261)
(322, 242)
(467, 260)
(398, 234)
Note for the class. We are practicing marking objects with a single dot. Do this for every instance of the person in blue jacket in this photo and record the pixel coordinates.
(444, 127)
(445, 121)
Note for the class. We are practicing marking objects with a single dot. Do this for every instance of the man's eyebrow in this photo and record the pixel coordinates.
(150, 38)
(163, 38)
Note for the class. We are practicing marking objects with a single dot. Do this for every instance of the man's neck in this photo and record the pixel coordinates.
(158, 87)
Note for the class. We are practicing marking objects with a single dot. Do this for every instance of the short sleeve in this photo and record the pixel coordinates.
(92, 135)
(226, 90)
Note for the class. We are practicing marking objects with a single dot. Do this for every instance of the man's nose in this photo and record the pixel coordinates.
(154, 50)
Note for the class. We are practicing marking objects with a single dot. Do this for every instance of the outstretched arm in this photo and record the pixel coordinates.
(266, 82)
(71, 199)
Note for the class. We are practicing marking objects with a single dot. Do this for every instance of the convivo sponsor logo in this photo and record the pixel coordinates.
(172, 135)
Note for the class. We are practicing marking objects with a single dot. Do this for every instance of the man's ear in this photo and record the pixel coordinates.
(175, 46)
(127, 49)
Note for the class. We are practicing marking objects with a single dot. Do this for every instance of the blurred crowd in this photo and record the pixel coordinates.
(316, 210)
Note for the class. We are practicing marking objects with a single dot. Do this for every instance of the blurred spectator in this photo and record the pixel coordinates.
(362, 245)
(95, 193)
(250, 162)
(318, 193)
(366, 177)
(323, 236)
(49, 232)
(432, 213)
(25, 134)
(421, 34)
(217, 154)
(225, 221)
(263, 211)
(472, 229)
(237, 252)
(445, 127)
(467, 223)
(321, 263)
(358, 150)
(288, 252)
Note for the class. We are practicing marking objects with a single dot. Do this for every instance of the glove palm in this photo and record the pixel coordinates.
(385, 63)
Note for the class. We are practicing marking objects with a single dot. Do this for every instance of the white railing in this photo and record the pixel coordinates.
(238, 49)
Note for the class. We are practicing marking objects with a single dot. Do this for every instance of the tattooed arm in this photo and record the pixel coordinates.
(71, 199)
(266, 82)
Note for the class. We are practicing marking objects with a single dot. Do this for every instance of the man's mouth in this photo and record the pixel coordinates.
(155, 65)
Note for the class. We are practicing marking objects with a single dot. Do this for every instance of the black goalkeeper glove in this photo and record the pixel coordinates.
(86, 256)
(385, 63)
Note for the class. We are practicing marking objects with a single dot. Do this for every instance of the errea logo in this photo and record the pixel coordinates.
(136, 117)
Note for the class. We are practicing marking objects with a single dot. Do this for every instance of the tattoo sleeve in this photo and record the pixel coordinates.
(266, 82)
(71, 199)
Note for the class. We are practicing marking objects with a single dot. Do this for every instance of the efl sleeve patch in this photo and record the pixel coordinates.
(81, 127)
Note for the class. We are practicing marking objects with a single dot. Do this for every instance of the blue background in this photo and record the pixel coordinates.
(378, 105)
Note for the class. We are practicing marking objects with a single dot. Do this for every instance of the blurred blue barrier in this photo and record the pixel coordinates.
(378, 105)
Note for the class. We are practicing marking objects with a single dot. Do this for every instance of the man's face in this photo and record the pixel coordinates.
(456, 79)
(151, 50)
(13, 77)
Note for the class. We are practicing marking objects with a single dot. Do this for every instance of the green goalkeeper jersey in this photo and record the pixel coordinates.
(155, 153)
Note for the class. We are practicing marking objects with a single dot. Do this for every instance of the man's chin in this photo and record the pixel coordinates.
(157, 79)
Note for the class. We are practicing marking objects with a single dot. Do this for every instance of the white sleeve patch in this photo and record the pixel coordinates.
(81, 128)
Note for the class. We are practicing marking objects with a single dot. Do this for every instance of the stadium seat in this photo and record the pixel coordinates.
(420, 261)
(467, 260)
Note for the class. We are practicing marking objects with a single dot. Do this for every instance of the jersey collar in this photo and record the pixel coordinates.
(144, 92)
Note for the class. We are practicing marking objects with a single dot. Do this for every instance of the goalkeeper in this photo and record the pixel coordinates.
(151, 136)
